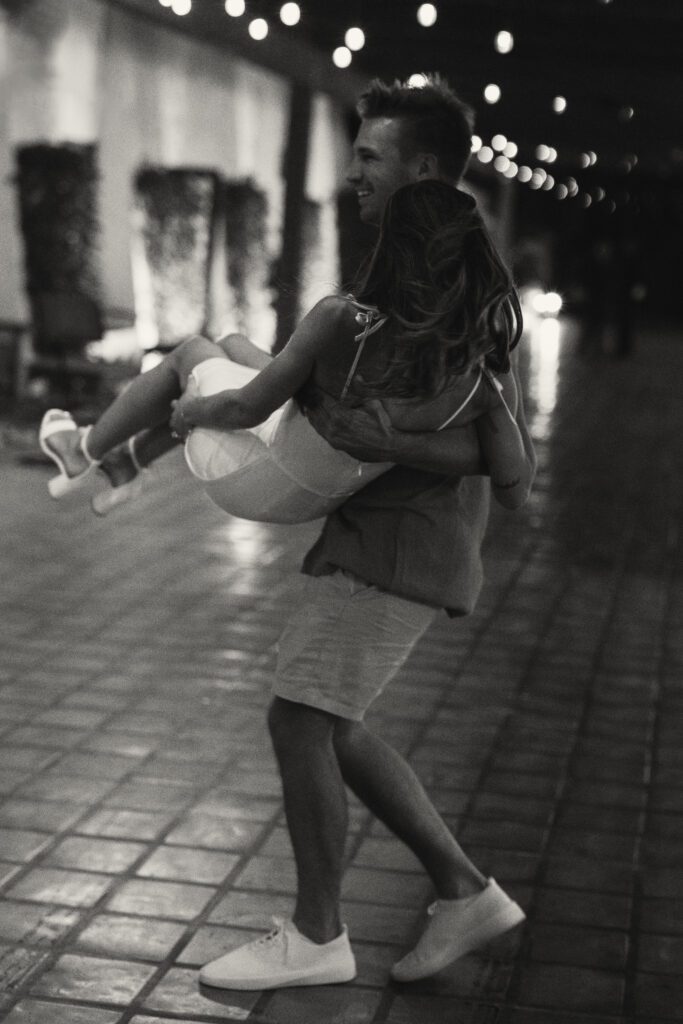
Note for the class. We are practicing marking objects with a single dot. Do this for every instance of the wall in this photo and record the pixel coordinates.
(81, 70)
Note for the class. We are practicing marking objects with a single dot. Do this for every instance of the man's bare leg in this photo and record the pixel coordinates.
(387, 785)
(316, 809)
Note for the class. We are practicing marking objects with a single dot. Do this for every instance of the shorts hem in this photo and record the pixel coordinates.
(319, 702)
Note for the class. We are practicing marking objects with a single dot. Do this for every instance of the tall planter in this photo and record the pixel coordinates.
(175, 217)
(57, 189)
(248, 260)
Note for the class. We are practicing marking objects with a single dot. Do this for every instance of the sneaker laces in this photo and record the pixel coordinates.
(277, 933)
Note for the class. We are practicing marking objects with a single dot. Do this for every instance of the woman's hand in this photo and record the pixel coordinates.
(181, 422)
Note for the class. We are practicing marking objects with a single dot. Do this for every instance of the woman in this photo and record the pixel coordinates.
(439, 316)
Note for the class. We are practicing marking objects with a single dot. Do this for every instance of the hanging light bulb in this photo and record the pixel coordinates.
(559, 104)
(417, 81)
(492, 93)
(476, 144)
(504, 42)
(427, 15)
(258, 29)
(235, 8)
(511, 149)
(181, 7)
(342, 57)
(485, 154)
(499, 142)
(355, 39)
(290, 14)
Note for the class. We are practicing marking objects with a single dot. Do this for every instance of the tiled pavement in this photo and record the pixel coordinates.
(141, 829)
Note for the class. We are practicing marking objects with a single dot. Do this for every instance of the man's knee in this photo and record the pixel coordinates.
(293, 724)
(347, 735)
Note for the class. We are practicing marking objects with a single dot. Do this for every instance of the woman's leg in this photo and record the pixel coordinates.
(144, 404)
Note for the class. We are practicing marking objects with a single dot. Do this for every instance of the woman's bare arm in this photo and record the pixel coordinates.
(280, 378)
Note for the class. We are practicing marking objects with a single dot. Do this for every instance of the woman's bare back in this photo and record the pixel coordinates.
(466, 395)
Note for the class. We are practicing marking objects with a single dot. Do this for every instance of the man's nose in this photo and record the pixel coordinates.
(353, 172)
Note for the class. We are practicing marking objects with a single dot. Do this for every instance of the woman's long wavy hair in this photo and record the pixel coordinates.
(450, 299)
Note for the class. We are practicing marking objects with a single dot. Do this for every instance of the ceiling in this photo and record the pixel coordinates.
(603, 56)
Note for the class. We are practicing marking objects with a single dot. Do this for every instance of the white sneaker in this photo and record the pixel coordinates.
(456, 928)
(281, 959)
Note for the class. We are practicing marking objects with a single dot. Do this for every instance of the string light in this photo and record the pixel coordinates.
(427, 15)
(181, 7)
(501, 151)
(165, 3)
(258, 29)
(342, 56)
(355, 39)
(290, 14)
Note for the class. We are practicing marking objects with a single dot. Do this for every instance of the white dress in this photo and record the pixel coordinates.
(281, 471)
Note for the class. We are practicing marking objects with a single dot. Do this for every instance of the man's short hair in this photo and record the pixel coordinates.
(433, 119)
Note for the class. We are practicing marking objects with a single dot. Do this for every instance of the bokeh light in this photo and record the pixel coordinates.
(504, 42)
(258, 29)
(342, 57)
(290, 14)
(355, 38)
(427, 15)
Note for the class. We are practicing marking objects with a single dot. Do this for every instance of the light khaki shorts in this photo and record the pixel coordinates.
(345, 641)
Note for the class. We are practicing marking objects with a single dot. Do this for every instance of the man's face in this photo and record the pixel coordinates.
(377, 168)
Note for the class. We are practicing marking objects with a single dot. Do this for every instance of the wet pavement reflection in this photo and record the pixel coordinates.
(141, 826)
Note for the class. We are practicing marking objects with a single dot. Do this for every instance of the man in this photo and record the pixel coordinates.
(405, 546)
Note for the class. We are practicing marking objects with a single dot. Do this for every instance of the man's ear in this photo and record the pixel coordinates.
(427, 166)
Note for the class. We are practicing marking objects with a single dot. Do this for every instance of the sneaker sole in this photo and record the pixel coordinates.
(506, 919)
(256, 985)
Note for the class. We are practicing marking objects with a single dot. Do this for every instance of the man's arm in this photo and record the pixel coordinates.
(366, 433)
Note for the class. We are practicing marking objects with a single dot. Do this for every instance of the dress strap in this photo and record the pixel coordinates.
(464, 404)
(371, 320)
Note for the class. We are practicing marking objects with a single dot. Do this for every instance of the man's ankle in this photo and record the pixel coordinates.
(320, 932)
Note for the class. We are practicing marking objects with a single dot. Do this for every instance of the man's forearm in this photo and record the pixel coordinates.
(454, 452)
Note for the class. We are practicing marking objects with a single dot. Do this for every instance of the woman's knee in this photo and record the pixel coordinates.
(194, 350)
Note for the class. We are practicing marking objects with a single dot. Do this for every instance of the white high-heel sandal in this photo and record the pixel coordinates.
(57, 421)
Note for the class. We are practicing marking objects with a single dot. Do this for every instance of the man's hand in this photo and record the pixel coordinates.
(363, 431)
